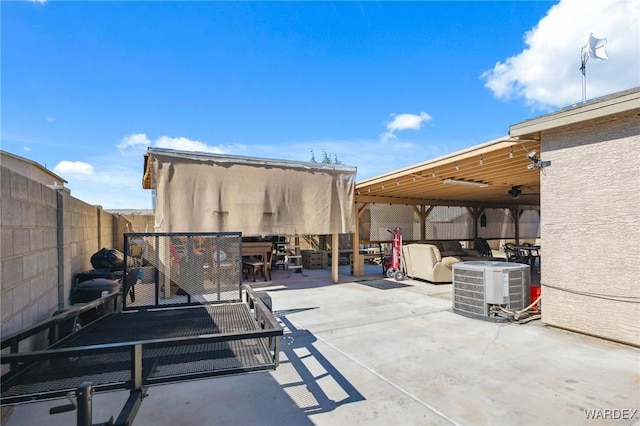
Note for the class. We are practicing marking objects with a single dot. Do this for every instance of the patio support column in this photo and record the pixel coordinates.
(423, 223)
(357, 267)
(335, 241)
(475, 213)
(427, 212)
(419, 210)
(423, 212)
(516, 212)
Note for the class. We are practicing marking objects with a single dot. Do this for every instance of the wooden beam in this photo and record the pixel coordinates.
(361, 209)
(419, 201)
(422, 217)
(358, 265)
(335, 242)
(517, 214)
(475, 213)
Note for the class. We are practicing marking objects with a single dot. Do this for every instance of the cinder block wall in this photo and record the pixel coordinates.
(82, 238)
(590, 228)
(34, 283)
(29, 290)
(122, 224)
(140, 222)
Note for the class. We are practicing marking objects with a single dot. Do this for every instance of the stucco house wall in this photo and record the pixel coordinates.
(30, 169)
(590, 227)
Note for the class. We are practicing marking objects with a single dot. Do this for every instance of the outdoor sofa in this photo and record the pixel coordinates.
(433, 261)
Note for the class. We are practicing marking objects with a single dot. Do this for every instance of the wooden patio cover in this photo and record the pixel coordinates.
(498, 165)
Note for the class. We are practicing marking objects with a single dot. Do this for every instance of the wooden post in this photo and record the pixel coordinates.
(335, 238)
(358, 264)
(517, 214)
(357, 268)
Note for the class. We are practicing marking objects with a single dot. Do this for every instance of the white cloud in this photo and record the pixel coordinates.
(184, 144)
(404, 122)
(546, 74)
(369, 162)
(139, 142)
(136, 141)
(73, 168)
(50, 119)
(26, 149)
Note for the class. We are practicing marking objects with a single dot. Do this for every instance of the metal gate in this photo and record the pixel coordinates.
(183, 268)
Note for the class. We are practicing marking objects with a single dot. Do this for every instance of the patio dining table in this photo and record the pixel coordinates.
(531, 252)
(262, 250)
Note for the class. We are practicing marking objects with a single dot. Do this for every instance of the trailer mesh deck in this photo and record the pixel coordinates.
(176, 345)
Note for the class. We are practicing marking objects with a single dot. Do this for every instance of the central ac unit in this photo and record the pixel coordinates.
(479, 285)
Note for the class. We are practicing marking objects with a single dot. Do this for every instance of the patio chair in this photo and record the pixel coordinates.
(513, 254)
(482, 246)
(532, 256)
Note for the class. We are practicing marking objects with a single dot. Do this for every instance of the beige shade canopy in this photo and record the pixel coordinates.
(199, 192)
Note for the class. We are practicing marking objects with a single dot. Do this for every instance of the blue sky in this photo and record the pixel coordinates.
(88, 86)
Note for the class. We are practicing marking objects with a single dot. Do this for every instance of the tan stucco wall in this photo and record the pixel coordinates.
(29, 169)
(590, 228)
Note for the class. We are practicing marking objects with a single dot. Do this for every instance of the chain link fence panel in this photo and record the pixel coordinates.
(179, 268)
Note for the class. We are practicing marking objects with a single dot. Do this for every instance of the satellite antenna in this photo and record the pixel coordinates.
(595, 48)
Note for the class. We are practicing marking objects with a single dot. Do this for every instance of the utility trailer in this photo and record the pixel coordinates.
(203, 329)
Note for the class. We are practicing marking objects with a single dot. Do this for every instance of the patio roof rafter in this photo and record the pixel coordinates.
(481, 176)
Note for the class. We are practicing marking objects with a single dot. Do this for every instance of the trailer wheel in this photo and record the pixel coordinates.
(399, 276)
(390, 272)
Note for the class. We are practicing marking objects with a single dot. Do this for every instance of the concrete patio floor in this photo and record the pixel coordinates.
(354, 353)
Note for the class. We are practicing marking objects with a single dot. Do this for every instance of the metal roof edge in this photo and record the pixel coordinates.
(618, 102)
(223, 158)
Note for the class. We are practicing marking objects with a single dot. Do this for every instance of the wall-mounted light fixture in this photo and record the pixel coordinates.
(465, 183)
(536, 163)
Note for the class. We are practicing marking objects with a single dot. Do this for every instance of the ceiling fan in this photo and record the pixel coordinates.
(515, 192)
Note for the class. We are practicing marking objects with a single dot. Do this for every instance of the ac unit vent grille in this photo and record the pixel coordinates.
(519, 288)
(468, 291)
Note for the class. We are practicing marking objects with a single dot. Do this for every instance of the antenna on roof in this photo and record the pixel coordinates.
(595, 48)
